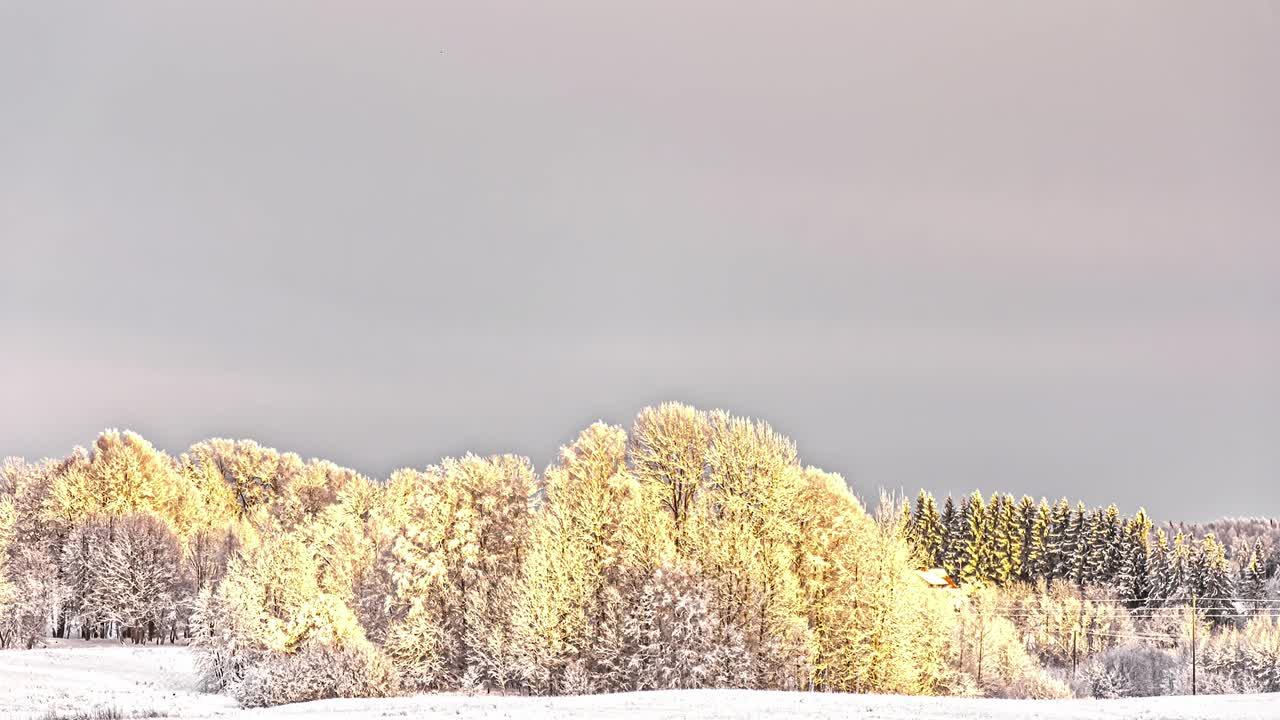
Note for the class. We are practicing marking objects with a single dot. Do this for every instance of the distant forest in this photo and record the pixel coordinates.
(693, 549)
(1004, 540)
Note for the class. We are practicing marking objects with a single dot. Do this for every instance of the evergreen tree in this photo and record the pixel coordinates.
(1133, 579)
(1005, 533)
(1035, 561)
(1076, 543)
(1176, 588)
(1158, 572)
(1096, 550)
(976, 546)
(1113, 530)
(1253, 580)
(1210, 579)
(928, 529)
(1025, 519)
(1059, 546)
(952, 538)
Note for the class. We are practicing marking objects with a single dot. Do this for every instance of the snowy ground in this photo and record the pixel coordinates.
(77, 676)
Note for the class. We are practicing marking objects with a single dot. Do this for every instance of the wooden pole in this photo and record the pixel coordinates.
(1195, 620)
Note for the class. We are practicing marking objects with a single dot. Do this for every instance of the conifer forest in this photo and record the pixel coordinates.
(693, 549)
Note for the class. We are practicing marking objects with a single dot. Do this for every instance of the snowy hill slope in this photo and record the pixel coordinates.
(75, 676)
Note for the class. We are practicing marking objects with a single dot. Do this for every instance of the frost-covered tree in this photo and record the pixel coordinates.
(1253, 576)
(567, 605)
(137, 586)
(668, 451)
(749, 549)
(8, 590)
(255, 475)
(270, 621)
(1209, 579)
(455, 565)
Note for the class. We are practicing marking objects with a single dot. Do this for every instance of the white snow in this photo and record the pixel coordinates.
(73, 675)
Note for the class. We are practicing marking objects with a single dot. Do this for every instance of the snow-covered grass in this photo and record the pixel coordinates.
(72, 677)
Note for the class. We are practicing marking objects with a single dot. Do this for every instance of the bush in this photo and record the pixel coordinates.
(316, 672)
(1130, 670)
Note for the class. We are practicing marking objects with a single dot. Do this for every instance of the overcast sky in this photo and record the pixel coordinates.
(1032, 247)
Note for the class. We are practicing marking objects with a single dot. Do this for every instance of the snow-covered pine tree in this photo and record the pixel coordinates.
(1077, 543)
(952, 538)
(927, 530)
(1158, 570)
(1133, 579)
(1097, 549)
(1024, 519)
(1035, 562)
(976, 547)
(1113, 531)
(1253, 577)
(1005, 540)
(1210, 579)
(1014, 537)
(1177, 586)
(1058, 543)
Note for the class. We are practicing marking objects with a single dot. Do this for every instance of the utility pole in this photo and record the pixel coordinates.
(1195, 620)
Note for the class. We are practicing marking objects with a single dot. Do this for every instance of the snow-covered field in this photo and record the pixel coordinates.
(76, 676)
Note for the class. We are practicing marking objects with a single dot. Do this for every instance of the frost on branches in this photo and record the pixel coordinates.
(694, 550)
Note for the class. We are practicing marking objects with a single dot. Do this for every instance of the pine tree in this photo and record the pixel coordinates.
(976, 547)
(1004, 531)
(1133, 579)
(1113, 527)
(1159, 570)
(1076, 543)
(1253, 580)
(1035, 561)
(927, 530)
(1059, 546)
(952, 538)
(1177, 586)
(1097, 550)
(1210, 578)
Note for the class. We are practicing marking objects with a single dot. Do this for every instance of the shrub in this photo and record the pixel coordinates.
(317, 672)
(1130, 670)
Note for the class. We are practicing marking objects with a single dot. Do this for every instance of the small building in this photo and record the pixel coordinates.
(936, 578)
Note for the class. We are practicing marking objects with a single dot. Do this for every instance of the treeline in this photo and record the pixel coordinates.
(118, 539)
(1003, 540)
(692, 550)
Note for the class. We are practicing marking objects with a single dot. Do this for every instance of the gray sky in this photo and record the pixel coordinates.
(1032, 247)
